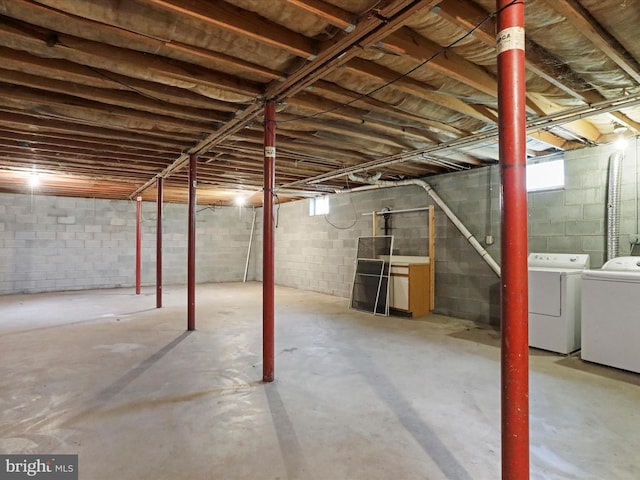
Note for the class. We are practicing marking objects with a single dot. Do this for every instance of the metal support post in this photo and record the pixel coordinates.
(268, 271)
(514, 280)
(138, 244)
(159, 200)
(191, 244)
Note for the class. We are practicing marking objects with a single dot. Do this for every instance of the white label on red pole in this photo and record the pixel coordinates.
(511, 38)
(270, 152)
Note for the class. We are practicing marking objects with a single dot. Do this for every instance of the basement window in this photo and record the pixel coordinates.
(545, 175)
(319, 206)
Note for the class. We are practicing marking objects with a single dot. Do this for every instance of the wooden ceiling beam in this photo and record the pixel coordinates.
(54, 148)
(127, 100)
(407, 42)
(582, 20)
(63, 106)
(67, 164)
(15, 34)
(64, 70)
(115, 147)
(70, 22)
(306, 144)
(416, 88)
(242, 22)
(334, 15)
(331, 55)
(340, 128)
(34, 123)
(324, 108)
(345, 46)
(538, 60)
(377, 106)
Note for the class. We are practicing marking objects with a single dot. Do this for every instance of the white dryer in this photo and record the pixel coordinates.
(554, 300)
(611, 314)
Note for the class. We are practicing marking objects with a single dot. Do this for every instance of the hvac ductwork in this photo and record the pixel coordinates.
(613, 204)
(376, 183)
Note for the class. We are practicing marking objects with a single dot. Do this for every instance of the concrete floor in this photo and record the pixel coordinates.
(105, 375)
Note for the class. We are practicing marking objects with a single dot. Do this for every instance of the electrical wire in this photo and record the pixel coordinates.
(442, 51)
(355, 214)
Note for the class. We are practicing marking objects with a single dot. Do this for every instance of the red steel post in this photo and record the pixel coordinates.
(191, 247)
(138, 244)
(268, 308)
(159, 190)
(512, 137)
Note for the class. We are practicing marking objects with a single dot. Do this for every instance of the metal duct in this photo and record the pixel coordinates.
(613, 204)
(438, 201)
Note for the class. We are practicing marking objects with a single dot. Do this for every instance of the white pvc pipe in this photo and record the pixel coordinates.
(246, 266)
(443, 206)
(404, 210)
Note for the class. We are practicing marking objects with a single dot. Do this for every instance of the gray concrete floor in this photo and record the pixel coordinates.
(105, 375)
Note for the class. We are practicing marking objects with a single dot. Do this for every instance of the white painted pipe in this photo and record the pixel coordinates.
(246, 266)
(404, 210)
(443, 206)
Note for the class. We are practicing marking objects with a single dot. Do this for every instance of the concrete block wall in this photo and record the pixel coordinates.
(64, 243)
(318, 253)
(312, 254)
(573, 220)
(465, 286)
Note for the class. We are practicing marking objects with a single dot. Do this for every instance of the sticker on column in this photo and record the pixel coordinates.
(270, 152)
(511, 38)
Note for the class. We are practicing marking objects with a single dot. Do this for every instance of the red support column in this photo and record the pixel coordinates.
(159, 201)
(268, 303)
(515, 351)
(138, 244)
(191, 248)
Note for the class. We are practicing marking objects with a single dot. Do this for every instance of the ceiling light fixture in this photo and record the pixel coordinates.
(34, 179)
(621, 143)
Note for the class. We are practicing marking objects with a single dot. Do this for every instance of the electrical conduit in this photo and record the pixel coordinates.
(613, 204)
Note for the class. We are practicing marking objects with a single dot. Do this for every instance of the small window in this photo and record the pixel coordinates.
(319, 206)
(545, 176)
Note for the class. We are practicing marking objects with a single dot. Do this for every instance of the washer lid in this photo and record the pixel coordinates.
(624, 276)
(623, 264)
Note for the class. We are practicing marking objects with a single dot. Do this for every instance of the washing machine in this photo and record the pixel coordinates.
(554, 300)
(611, 314)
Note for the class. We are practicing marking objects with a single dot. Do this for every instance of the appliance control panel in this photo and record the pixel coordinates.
(577, 261)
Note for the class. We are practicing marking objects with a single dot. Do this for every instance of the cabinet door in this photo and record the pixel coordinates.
(400, 292)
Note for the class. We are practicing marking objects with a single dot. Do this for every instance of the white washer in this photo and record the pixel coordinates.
(554, 300)
(611, 314)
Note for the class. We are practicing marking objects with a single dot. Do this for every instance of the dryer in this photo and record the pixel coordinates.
(554, 300)
(611, 314)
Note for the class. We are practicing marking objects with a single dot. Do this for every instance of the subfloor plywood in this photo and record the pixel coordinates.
(107, 376)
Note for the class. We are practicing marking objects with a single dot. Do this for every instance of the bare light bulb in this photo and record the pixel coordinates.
(34, 180)
(621, 143)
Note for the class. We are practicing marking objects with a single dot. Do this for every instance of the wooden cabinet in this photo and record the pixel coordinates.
(409, 289)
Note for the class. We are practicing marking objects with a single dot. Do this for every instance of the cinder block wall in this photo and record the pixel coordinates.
(63, 243)
(317, 253)
(574, 219)
(312, 254)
